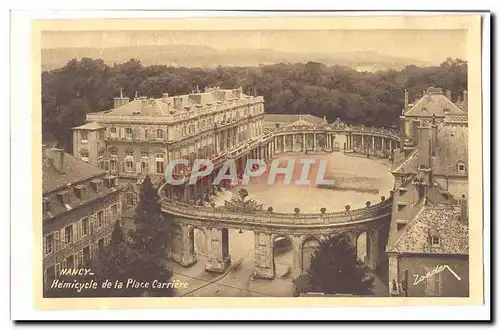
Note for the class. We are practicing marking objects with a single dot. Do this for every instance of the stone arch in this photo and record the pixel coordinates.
(308, 246)
(362, 245)
(198, 240)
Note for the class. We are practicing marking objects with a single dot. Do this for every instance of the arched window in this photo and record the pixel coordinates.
(129, 153)
(144, 154)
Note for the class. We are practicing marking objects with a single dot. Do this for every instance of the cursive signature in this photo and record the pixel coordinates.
(436, 270)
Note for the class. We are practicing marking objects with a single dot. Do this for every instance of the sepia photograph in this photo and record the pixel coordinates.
(287, 161)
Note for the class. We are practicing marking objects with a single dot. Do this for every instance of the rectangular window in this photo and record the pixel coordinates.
(101, 135)
(68, 235)
(146, 133)
(144, 167)
(129, 166)
(114, 212)
(112, 130)
(86, 255)
(160, 167)
(85, 226)
(100, 219)
(113, 164)
(83, 135)
(100, 245)
(49, 244)
(130, 199)
(159, 133)
(128, 133)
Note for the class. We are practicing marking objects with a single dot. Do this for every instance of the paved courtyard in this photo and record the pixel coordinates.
(351, 171)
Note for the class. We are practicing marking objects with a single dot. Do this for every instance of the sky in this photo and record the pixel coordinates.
(425, 45)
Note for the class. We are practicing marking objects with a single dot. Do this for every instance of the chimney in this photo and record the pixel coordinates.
(433, 136)
(448, 94)
(464, 211)
(466, 98)
(424, 144)
(120, 101)
(402, 131)
(406, 99)
(57, 159)
(96, 185)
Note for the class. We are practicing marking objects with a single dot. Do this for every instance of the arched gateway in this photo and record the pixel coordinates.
(305, 231)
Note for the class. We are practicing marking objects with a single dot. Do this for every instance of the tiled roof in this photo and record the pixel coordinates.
(92, 126)
(433, 103)
(442, 219)
(163, 106)
(75, 170)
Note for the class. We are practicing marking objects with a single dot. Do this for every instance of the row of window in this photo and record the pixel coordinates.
(79, 230)
(80, 259)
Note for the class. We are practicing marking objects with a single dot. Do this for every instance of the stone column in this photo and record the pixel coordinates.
(373, 144)
(314, 141)
(263, 256)
(218, 250)
(372, 249)
(283, 149)
(390, 144)
(383, 145)
(188, 257)
(297, 256)
(304, 145)
(362, 143)
(293, 142)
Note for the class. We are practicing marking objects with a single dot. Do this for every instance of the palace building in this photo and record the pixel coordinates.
(81, 202)
(143, 135)
(429, 225)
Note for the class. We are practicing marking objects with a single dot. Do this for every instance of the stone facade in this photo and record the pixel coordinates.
(81, 203)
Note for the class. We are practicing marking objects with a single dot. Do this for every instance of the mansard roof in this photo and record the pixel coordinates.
(433, 103)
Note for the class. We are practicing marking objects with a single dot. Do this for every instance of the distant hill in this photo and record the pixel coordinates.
(207, 57)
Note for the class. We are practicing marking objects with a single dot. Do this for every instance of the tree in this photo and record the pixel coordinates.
(149, 239)
(151, 226)
(335, 269)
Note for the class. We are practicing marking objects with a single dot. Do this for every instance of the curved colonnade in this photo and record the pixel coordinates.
(181, 202)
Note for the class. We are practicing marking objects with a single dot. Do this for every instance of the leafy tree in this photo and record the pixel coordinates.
(335, 269)
(369, 98)
(149, 236)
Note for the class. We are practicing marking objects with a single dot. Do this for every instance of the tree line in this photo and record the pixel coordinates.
(369, 98)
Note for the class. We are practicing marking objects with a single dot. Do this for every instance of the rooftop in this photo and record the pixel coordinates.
(73, 170)
(434, 103)
(92, 126)
(170, 105)
(434, 219)
(289, 119)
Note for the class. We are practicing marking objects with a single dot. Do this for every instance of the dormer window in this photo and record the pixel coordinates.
(434, 239)
(461, 167)
(80, 192)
